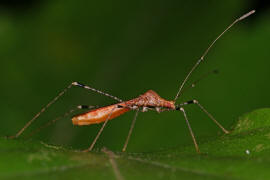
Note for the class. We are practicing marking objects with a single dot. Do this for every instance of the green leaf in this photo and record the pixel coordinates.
(243, 154)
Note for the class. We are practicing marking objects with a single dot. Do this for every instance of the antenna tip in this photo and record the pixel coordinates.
(246, 15)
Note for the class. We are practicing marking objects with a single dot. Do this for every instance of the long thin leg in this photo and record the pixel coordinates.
(190, 130)
(130, 130)
(208, 114)
(40, 112)
(55, 99)
(95, 90)
(99, 132)
(207, 50)
(58, 118)
(211, 117)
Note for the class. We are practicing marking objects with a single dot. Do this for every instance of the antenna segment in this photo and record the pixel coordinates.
(206, 52)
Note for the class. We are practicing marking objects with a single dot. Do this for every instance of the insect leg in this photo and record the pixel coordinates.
(40, 112)
(208, 114)
(86, 107)
(58, 118)
(54, 100)
(95, 90)
(190, 130)
(130, 130)
(100, 131)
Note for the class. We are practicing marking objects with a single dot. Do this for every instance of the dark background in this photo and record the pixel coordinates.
(126, 48)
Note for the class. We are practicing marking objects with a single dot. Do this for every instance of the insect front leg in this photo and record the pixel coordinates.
(190, 130)
(207, 113)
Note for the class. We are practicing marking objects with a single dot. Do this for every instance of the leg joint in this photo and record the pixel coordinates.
(195, 101)
(191, 102)
(86, 107)
(77, 84)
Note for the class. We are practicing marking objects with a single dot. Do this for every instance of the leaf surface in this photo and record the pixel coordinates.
(243, 154)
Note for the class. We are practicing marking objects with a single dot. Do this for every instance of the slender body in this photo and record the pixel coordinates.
(147, 101)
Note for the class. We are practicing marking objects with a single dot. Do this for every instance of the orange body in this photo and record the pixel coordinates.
(99, 115)
(148, 99)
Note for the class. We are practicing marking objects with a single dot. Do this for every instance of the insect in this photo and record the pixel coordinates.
(147, 101)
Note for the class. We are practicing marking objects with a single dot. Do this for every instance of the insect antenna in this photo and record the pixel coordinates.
(200, 79)
(206, 52)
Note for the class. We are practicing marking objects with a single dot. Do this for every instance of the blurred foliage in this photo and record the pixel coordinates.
(243, 154)
(126, 48)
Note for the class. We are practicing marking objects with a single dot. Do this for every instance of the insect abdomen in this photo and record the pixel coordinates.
(99, 115)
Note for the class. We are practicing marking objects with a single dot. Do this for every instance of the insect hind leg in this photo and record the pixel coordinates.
(54, 100)
(40, 112)
(60, 117)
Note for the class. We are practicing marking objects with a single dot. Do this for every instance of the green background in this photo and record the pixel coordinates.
(126, 48)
